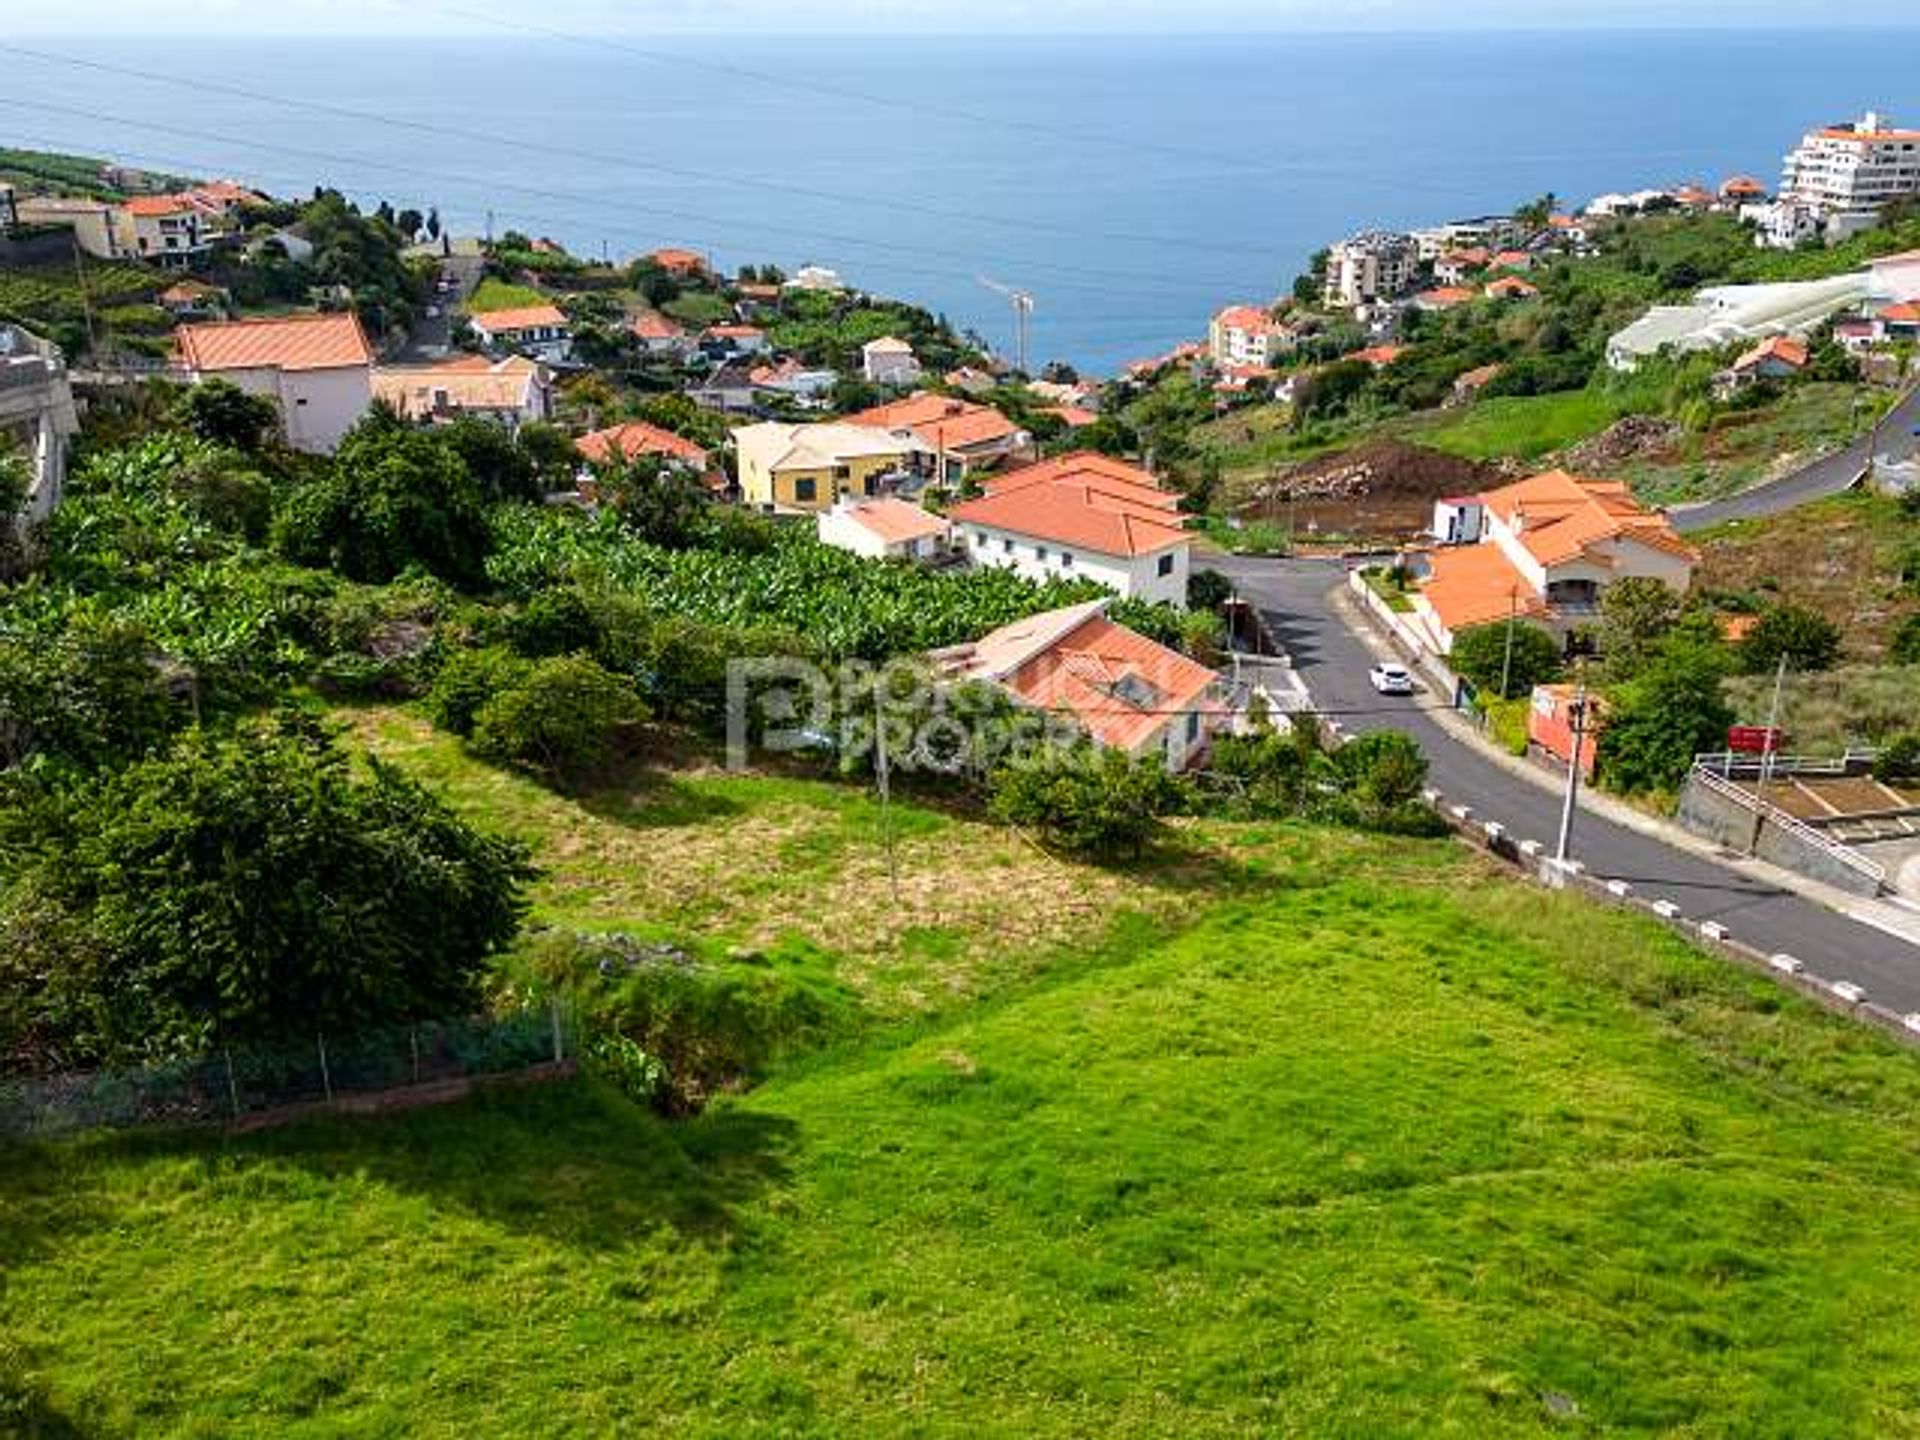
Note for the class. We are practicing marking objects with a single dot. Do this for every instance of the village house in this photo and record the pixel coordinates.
(1124, 691)
(728, 388)
(1779, 357)
(1740, 190)
(37, 416)
(660, 334)
(1445, 297)
(1243, 335)
(817, 278)
(1467, 386)
(1545, 550)
(1899, 323)
(1082, 516)
(732, 341)
(632, 439)
(795, 380)
(95, 224)
(883, 527)
(969, 381)
(953, 438)
(1511, 287)
(889, 361)
(681, 264)
(195, 300)
(167, 230)
(317, 368)
(1456, 267)
(1074, 417)
(540, 332)
(510, 392)
(1378, 356)
(809, 467)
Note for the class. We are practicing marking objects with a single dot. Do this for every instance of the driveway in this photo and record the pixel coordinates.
(1817, 481)
(1293, 596)
(432, 336)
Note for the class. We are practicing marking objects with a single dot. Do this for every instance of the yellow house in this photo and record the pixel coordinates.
(809, 467)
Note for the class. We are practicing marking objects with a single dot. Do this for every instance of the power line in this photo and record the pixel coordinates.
(679, 172)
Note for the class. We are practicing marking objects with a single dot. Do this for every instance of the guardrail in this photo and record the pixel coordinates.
(1729, 763)
(1806, 834)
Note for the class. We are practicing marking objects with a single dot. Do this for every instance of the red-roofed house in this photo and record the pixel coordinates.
(726, 342)
(1378, 356)
(635, 438)
(967, 437)
(1125, 691)
(1245, 335)
(1446, 297)
(1084, 516)
(882, 527)
(166, 229)
(660, 334)
(1778, 357)
(539, 332)
(1511, 287)
(1900, 322)
(317, 368)
(511, 392)
(1547, 549)
(681, 264)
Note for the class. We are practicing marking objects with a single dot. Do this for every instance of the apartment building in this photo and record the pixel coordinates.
(1245, 335)
(1368, 268)
(1838, 177)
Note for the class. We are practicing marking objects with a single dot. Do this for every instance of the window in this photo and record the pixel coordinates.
(1166, 564)
(1066, 559)
(1040, 553)
(804, 489)
(1006, 546)
(1193, 726)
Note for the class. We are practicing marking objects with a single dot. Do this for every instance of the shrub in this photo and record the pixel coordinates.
(1805, 639)
(1899, 759)
(554, 622)
(1904, 648)
(468, 681)
(221, 413)
(1100, 803)
(564, 719)
(1208, 590)
(1480, 656)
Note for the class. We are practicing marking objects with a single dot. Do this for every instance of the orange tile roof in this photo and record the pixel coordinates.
(1783, 348)
(1075, 417)
(1565, 514)
(1471, 256)
(1741, 185)
(893, 520)
(1244, 317)
(941, 420)
(1470, 585)
(1511, 286)
(469, 382)
(524, 317)
(1379, 356)
(673, 258)
(1120, 686)
(655, 326)
(1877, 137)
(1513, 260)
(158, 206)
(1444, 297)
(1089, 501)
(635, 438)
(735, 332)
(288, 342)
(1906, 313)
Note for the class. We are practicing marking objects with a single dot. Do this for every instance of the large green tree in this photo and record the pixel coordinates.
(1656, 723)
(1481, 656)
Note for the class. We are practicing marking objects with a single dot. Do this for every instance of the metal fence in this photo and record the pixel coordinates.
(232, 1084)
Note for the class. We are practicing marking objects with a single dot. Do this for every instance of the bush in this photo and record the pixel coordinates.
(563, 719)
(221, 413)
(468, 681)
(1898, 760)
(1904, 647)
(1479, 656)
(1657, 723)
(1208, 590)
(1805, 639)
(1100, 803)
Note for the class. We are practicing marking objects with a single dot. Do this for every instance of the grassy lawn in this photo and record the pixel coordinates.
(698, 308)
(495, 294)
(1523, 426)
(1364, 1141)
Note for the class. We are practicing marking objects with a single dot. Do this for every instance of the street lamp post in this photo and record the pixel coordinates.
(1577, 718)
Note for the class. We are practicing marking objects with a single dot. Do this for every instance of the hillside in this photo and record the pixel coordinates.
(1357, 1136)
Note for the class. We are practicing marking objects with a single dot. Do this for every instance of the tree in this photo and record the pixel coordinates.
(500, 466)
(656, 500)
(245, 890)
(221, 413)
(393, 498)
(1480, 655)
(1100, 803)
(1899, 759)
(563, 720)
(1657, 722)
(1804, 638)
(1208, 590)
(1904, 647)
(1329, 390)
(1636, 613)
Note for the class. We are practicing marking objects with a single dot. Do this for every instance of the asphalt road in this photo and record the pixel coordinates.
(1293, 596)
(1895, 438)
(432, 337)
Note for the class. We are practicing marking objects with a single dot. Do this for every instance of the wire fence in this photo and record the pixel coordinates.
(233, 1084)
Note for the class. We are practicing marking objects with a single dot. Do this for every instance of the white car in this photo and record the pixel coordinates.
(1391, 679)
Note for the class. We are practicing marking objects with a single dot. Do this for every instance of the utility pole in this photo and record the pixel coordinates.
(1577, 718)
(86, 297)
(1768, 747)
(1506, 663)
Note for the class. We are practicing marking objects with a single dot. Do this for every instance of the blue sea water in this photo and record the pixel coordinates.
(1132, 185)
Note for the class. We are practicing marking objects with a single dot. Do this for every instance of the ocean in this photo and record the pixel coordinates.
(1131, 185)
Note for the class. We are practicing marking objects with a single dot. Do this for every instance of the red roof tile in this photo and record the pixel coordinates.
(636, 438)
(289, 342)
(1084, 500)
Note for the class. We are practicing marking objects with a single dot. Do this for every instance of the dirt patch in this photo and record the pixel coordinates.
(1636, 437)
(1382, 489)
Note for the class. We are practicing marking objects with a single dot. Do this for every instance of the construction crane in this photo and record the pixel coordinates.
(1022, 304)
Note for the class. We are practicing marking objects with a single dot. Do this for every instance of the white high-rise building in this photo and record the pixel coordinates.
(1371, 267)
(1838, 177)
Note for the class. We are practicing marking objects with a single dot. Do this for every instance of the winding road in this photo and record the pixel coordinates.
(1294, 598)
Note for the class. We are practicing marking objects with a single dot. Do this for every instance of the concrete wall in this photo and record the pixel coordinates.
(1725, 821)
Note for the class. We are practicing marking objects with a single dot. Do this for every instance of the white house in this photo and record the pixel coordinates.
(1083, 516)
(1547, 549)
(889, 361)
(511, 392)
(882, 528)
(1375, 266)
(816, 277)
(1122, 690)
(539, 332)
(166, 229)
(1838, 177)
(317, 368)
(1245, 335)
(37, 416)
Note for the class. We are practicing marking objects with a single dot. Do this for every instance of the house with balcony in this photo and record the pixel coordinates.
(1247, 336)
(1081, 516)
(889, 361)
(1545, 550)
(167, 230)
(539, 332)
(1122, 690)
(37, 416)
(954, 438)
(317, 368)
(809, 468)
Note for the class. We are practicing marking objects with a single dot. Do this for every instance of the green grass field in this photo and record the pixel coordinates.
(1357, 1137)
(1523, 426)
(493, 294)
